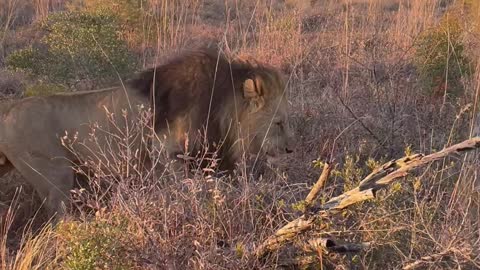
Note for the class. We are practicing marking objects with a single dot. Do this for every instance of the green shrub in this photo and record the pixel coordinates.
(95, 245)
(26, 59)
(78, 46)
(440, 59)
(129, 15)
(44, 89)
(129, 12)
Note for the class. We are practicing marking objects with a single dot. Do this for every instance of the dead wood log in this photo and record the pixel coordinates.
(378, 179)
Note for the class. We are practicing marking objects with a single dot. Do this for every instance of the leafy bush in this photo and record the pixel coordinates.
(98, 244)
(44, 89)
(128, 11)
(27, 59)
(440, 58)
(78, 46)
(128, 14)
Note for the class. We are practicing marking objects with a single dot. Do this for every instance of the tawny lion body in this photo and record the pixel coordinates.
(31, 131)
(197, 98)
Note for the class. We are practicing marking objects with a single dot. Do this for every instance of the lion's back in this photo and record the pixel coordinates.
(31, 120)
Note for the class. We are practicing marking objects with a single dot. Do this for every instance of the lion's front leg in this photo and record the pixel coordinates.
(51, 178)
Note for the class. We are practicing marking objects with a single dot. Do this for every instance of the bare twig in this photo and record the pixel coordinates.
(319, 185)
(361, 122)
(378, 179)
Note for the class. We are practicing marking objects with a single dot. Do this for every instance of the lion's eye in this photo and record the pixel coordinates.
(279, 123)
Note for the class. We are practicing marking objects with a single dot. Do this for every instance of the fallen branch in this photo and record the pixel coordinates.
(312, 195)
(378, 179)
(428, 260)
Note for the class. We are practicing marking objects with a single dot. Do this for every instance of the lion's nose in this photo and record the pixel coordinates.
(289, 151)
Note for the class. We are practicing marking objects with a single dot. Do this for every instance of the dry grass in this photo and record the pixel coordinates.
(355, 100)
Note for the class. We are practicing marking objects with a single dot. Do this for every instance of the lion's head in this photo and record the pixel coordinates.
(264, 126)
(238, 105)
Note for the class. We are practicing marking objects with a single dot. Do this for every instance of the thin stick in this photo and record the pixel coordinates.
(322, 180)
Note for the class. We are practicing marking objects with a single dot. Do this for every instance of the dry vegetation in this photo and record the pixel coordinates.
(369, 81)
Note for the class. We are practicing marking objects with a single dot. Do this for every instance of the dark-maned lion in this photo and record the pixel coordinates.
(239, 106)
(236, 105)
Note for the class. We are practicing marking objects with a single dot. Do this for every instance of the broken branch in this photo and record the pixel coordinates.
(312, 195)
(378, 179)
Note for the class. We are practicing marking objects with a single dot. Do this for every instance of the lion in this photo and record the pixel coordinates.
(197, 98)
(235, 106)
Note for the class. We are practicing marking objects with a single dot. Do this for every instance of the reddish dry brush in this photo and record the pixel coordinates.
(358, 52)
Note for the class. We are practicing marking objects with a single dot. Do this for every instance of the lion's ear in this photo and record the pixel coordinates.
(253, 93)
